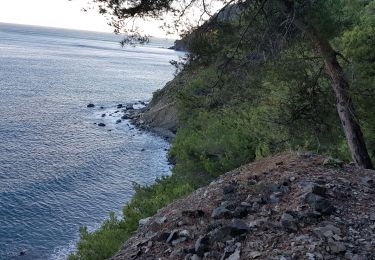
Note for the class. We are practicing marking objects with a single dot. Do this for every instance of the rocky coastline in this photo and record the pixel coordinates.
(134, 113)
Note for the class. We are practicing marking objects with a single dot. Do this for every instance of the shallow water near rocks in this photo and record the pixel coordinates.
(58, 169)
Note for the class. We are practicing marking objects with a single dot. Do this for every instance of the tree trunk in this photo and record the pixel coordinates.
(340, 86)
(344, 105)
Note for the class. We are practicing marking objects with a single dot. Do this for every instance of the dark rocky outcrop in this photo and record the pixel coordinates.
(160, 115)
(180, 45)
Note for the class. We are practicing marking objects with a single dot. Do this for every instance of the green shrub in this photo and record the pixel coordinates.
(107, 240)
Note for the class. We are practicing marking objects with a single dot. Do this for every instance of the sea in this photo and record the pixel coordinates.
(59, 170)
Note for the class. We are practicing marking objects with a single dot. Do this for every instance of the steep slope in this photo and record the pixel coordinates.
(161, 113)
(292, 206)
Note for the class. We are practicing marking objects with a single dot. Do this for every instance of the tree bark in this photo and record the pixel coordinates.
(344, 105)
(340, 86)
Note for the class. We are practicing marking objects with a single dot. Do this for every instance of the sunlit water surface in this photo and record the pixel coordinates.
(59, 170)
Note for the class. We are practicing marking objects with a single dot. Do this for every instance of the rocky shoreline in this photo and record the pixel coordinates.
(133, 112)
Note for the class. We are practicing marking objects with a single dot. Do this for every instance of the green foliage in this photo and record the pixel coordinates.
(240, 102)
(103, 243)
(357, 45)
(107, 240)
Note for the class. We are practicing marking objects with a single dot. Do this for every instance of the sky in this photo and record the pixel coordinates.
(61, 14)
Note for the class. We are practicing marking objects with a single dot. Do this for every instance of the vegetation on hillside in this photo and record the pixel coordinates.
(254, 86)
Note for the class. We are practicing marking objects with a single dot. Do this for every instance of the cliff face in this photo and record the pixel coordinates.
(161, 113)
(292, 206)
(181, 45)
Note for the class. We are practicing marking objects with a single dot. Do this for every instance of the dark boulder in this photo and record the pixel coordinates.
(289, 222)
(90, 105)
(202, 245)
(220, 212)
(319, 204)
(101, 124)
(193, 213)
(124, 117)
(239, 227)
(229, 189)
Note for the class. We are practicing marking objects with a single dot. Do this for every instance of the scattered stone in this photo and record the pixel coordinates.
(103, 115)
(310, 256)
(119, 106)
(162, 236)
(235, 228)
(303, 238)
(202, 245)
(172, 236)
(255, 254)
(160, 220)
(319, 203)
(178, 241)
(212, 255)
(101, 124)
(221, 234)
(235, 255)
(337, 247)
(239, 227)
(144, 221)
(184, 233)
(304, 194)
(326, 231)
(229, 189)
(118, 121)
(193, 213)
(90, 105)
(178, 253)
(196, 257)
(240, 212)
(332, 162)
(319, 190)
(220, 212)
(129, 107)
(289, 222)
(275, 197)
(308, 217)
(246, 204)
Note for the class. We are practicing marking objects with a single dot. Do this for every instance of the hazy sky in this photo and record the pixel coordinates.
(58, 13)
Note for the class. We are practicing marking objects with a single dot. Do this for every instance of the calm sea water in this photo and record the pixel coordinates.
(58, 170)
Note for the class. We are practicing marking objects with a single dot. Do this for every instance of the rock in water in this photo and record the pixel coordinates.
(90, 105)
(101, 124)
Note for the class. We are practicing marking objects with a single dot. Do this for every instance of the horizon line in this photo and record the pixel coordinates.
(80, 30)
